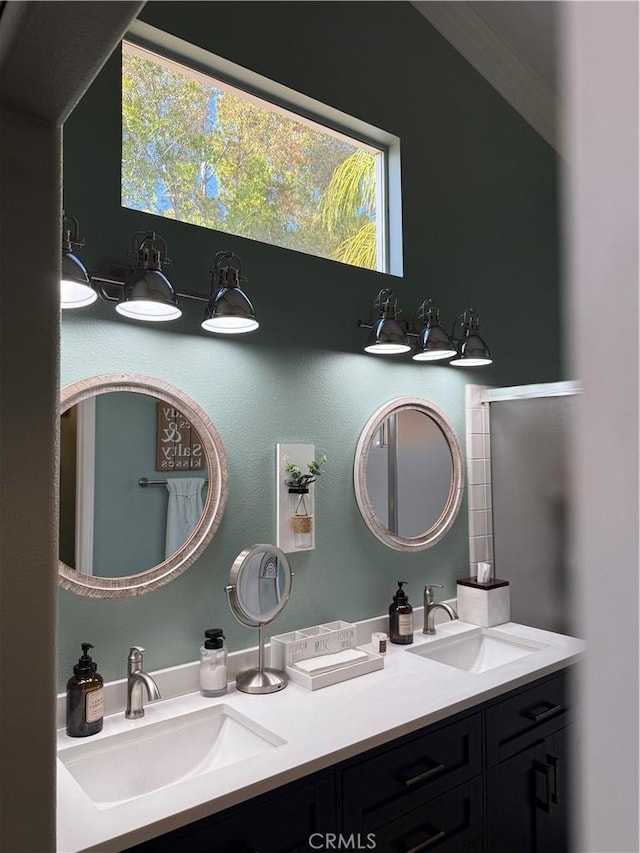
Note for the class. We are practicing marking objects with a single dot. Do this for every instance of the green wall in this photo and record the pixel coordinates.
(480, 229)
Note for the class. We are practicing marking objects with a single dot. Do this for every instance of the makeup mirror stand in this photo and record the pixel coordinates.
(263, 679)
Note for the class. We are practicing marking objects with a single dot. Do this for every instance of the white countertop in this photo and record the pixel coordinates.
(320, 727)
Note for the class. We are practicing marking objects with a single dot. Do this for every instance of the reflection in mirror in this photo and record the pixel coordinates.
(143, 484)
(108, 443)
(258, 590)
(408, 474)
(260, 586)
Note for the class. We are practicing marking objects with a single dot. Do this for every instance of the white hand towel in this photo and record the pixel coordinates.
(183, 510)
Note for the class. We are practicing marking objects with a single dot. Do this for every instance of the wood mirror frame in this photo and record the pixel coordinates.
(94, 586)
(451, 506)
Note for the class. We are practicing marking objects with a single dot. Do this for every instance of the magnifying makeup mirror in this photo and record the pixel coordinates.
(258, 590)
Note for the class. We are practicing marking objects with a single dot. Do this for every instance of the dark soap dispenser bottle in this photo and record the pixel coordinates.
(85, 700)
(401, 618)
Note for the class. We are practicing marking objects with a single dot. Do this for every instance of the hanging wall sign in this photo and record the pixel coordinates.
(178, 445)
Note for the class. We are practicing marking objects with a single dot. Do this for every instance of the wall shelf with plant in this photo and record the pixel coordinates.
(297, 471)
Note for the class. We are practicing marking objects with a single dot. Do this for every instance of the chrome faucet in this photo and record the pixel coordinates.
(136, 678)
(430, 605)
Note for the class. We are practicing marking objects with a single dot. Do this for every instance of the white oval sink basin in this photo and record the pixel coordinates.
(477, 650)
(117, 768)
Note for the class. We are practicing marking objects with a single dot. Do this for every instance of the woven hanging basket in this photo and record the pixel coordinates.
(302, 523)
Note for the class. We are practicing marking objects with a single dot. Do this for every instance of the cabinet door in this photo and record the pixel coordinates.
(510, 809)
(528, 800)
(552, 794)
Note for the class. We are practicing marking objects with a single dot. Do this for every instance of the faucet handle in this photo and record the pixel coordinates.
(428, 592)
(135, 654)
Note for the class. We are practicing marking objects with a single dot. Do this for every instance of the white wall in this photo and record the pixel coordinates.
(35, 98)
(30, 180)
(600, 52)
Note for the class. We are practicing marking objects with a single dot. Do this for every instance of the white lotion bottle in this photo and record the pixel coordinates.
(213, 664)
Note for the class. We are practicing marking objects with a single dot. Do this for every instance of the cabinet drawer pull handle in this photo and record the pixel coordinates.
(540, 714)
(426, 842)
(554, 761)
(547, 770)
(422, 774)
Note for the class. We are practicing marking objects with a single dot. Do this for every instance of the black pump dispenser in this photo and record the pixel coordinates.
(85, 704)
(85, 665)
(401, 596)
(401, 617)
(213, 663)
(214, 638)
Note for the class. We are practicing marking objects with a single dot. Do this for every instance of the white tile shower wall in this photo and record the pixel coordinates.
(478, 444)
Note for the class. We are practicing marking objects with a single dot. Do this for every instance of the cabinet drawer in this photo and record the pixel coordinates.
(448, 823)
(531, 714)
(401, 778)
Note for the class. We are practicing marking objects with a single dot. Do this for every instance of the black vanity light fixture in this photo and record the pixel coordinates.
(229, 310)
(433, 343)
(388, 335)
(472, 351)
(147, 293)
(76, 290)
(142, 291)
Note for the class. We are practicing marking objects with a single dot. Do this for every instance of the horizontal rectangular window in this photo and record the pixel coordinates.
(203, 151)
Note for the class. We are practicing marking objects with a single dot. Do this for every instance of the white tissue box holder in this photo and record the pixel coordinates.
(485, 604)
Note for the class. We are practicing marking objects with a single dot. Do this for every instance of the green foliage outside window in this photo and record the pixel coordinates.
(195, 152)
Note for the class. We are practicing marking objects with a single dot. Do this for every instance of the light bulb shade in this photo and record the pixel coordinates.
(433, 344)
(75, 285)
(230, 312)
(148, 295)
(472, 352)
(387, 337)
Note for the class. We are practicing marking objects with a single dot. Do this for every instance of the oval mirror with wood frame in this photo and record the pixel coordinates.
(408, 474)
(143, 484)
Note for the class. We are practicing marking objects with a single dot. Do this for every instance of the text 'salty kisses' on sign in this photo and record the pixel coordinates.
(178, 445)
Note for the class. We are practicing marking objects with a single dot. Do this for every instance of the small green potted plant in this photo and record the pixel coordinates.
(298, 485)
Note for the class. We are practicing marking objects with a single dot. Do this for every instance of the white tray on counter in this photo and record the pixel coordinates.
(324, 639)
(314, 681)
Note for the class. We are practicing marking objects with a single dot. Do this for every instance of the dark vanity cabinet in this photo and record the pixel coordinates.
(528, 771)
(493, 779)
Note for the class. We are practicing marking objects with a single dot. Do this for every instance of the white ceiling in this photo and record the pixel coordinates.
(512, 43)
